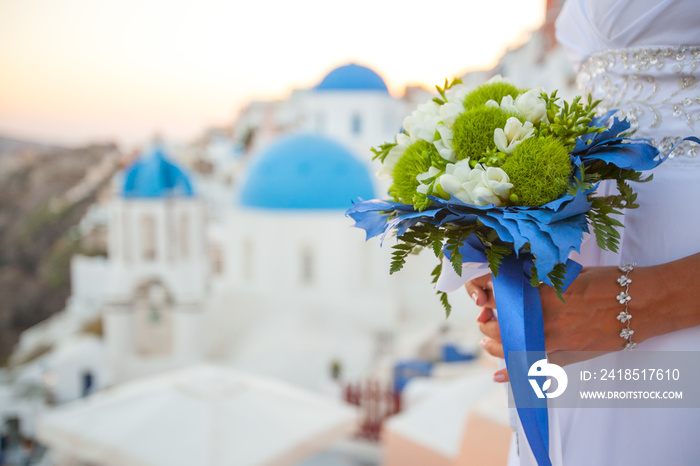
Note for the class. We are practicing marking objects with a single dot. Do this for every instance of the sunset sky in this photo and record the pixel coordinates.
(74, 71)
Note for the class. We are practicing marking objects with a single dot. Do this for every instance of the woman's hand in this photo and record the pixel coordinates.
(587, 321)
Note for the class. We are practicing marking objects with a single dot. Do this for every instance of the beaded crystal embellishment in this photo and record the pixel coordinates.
(656, 88)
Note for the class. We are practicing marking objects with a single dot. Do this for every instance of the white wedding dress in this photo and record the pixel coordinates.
(642, 57)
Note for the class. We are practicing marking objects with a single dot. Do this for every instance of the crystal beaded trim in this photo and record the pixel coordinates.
(624, 298)
(651, 86)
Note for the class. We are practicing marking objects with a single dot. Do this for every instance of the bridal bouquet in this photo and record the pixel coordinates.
(498, 171)
(508, 177)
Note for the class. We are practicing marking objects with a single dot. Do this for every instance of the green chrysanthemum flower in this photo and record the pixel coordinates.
(413, 162)
(490, 91)
(473, 131)
(540, 170)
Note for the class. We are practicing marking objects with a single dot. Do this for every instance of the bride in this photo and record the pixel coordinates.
(642, 57)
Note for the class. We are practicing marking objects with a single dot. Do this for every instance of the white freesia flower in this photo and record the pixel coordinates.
(484, 196)
(490, 185)
(476, 186)
(507, 104)
(454, 106)
(531, 105)
(449, 112)
(497, 182)
(423, 121)
(514, 133)
(386, 170)
(459, 180)
(444, 144)
(403, 140)
(498, 79)
(422, 187)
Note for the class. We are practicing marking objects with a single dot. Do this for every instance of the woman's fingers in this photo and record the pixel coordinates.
(501, 376)
(478, 294)
(491, 329)
(491, 346)
(481, 290)
(485, 315)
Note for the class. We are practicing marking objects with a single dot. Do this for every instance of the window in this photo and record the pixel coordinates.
(88, 383)
(307, 266)
(216, 256)
(356, 124)
(126, 236)
(185, 236)
(148, 238)
(171, 230)
(247, 259)
(320, 123)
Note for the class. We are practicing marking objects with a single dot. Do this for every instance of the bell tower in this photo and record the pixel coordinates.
(158, 281)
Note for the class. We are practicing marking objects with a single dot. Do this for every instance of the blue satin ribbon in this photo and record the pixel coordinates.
(522, 330)
(522, 333)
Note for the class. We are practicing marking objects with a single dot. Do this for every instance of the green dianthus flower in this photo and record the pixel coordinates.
(490, 91)
(540, 170)
(473, 131)
(416, 160)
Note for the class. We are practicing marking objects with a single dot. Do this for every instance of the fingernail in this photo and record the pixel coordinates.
(482, 343)
(498, 377)
(475, 297)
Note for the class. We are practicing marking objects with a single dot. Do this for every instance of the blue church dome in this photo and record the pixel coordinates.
(352, 78)
(153, 175)
(305, 172)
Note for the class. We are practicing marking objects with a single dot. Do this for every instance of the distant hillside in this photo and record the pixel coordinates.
(9, 146)
(35, 244)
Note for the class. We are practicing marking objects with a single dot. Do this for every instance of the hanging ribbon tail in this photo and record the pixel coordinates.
(522, 334)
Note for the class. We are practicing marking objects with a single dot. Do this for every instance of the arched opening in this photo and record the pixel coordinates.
(153, 320)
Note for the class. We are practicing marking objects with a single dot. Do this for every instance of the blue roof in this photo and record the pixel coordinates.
(152, 175)
(352, 78)
(305, 172)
